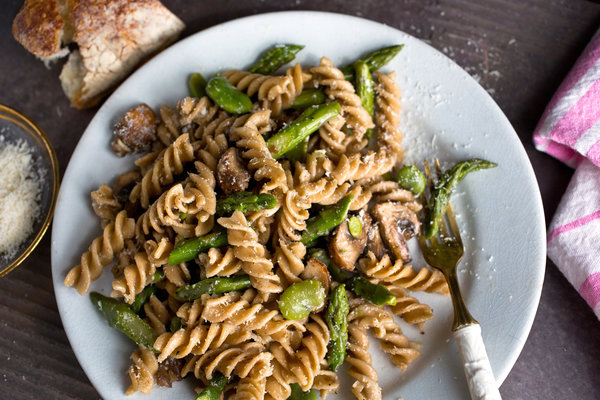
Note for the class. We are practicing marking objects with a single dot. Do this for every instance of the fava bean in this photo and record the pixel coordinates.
(197, 85)
(302, 298)
(410, 178)
(226, 96)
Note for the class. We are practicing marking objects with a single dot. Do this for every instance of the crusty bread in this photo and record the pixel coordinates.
(113, 37)
(40, 28)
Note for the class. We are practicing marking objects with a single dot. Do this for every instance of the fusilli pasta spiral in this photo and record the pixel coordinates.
(101, 253)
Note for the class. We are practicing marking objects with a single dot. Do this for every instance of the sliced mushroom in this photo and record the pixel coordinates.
(374, 241)
(232, 175)
(344, 248)
(135, 131)
(316, 270)
(397, 224)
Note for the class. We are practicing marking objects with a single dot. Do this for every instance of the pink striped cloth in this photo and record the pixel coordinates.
(570, 131)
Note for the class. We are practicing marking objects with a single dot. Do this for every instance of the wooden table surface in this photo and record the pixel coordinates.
(520, 50)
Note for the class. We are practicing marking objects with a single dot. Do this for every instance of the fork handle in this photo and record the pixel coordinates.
(478, 370)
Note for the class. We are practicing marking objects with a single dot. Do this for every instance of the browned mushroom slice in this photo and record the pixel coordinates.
(135, 131)
(344, 248)
(316, 270)
(232, 175)
(375, 242)
(397, 224)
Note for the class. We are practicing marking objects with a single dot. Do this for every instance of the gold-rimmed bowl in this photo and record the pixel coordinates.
(15, 127)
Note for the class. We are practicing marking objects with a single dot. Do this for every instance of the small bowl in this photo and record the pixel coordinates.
(15, 126)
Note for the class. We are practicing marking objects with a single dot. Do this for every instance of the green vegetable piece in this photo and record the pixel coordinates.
(365, 88)
(275, 58)
(187, 250)
(175, 324)
(197, 85)
(355, 226)
(374, 60)
(338, 274)
(142, 297)
(410, 178)
(328, 219)
(309, 97)
(337, 321)
(226, 96)
(302, 298)
(215, 285)
(298, 394)
(308, 122)
(443, 188)
(214, 389)
(158, 276)
(376, 294)
(183, 216)
(245, 202)
(120, 316)
(299, 152)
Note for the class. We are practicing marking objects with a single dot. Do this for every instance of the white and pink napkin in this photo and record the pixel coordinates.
(570, 131)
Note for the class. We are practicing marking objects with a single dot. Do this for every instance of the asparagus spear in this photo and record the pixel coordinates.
(365, 88)
(187, 250)
(245, 202)
(328, 219)
(274, 58)
(120, 316)
(142, 297)
(308, 122)
(214, 389)
(337, 313)
(374, 60)
(215, 285)
(309, 97)
(443, 188)
(376, 294)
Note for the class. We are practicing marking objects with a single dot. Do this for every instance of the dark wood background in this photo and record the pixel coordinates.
(520, 50)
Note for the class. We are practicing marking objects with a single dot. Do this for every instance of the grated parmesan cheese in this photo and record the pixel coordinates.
(20, 195)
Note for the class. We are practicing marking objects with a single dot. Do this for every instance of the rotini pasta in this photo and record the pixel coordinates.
(254, 256)
(403, 275)
(101, 253)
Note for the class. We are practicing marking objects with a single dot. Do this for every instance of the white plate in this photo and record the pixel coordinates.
(446, 114)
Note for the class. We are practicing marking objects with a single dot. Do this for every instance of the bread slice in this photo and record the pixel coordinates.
(42, 28)
(113, 37)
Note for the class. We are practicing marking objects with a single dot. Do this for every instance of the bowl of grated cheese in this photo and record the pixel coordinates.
(29, 183)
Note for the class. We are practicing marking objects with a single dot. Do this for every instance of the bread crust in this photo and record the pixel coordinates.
(114, 36)
(39, 28)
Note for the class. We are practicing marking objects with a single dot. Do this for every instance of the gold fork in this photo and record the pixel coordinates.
(444, 252)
